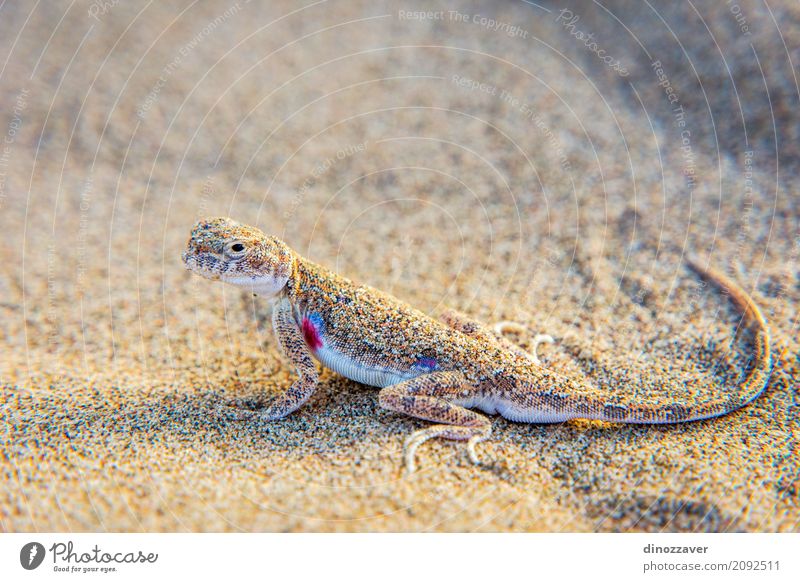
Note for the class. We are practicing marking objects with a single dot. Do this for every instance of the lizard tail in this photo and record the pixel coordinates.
(746, 392)
(570, 397)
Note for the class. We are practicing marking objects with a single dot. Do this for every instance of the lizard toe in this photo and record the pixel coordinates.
(225, 412)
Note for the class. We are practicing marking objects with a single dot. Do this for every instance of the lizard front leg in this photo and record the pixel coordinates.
(431, 397)
(290, 339)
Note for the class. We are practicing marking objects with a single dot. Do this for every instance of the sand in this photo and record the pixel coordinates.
(490, 159)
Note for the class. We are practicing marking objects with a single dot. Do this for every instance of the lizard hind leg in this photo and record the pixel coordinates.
(540, 338)
(466, 325)
(433, 397)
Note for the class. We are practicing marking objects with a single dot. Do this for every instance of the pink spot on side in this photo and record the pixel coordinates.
(311, 334)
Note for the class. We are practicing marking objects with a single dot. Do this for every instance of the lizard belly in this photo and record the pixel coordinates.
(323, 349)
(351, 368)
(492, 404)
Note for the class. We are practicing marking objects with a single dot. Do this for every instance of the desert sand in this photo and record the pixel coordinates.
(502, 158)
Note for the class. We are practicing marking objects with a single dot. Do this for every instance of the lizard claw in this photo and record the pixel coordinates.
(503, 326)
(473, 456)
(416, 439)
(410, 447)
(540, 338)
(226, 412)
(247, 409)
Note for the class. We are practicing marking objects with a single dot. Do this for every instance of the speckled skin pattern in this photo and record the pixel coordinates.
(429, 369)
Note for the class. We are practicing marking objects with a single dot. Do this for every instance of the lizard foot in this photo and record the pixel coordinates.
(238, 412)
(540, 338)
(467, 433)
(227, 412)
(430, 397)
(478, 438)
(502, 326)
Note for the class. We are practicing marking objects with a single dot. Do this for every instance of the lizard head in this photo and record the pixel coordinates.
(221, 249)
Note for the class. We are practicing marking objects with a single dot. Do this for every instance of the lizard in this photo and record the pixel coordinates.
(439, 370)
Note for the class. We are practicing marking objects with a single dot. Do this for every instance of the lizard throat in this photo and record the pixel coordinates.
(265, 285)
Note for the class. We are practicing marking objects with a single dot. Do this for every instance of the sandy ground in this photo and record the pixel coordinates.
(491, 157)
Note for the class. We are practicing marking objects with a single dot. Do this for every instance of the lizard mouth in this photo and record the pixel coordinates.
(206, 264)
(210, 267)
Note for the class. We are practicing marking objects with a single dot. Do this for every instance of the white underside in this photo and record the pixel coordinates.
(350, 368)
(382, 377)
(506, 409)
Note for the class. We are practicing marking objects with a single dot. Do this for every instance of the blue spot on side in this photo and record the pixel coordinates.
(316, 319)
(428, 364)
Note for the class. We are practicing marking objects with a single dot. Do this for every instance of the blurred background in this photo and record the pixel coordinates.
(544, 162)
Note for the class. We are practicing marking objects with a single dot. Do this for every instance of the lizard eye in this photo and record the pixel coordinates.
(234, 249)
